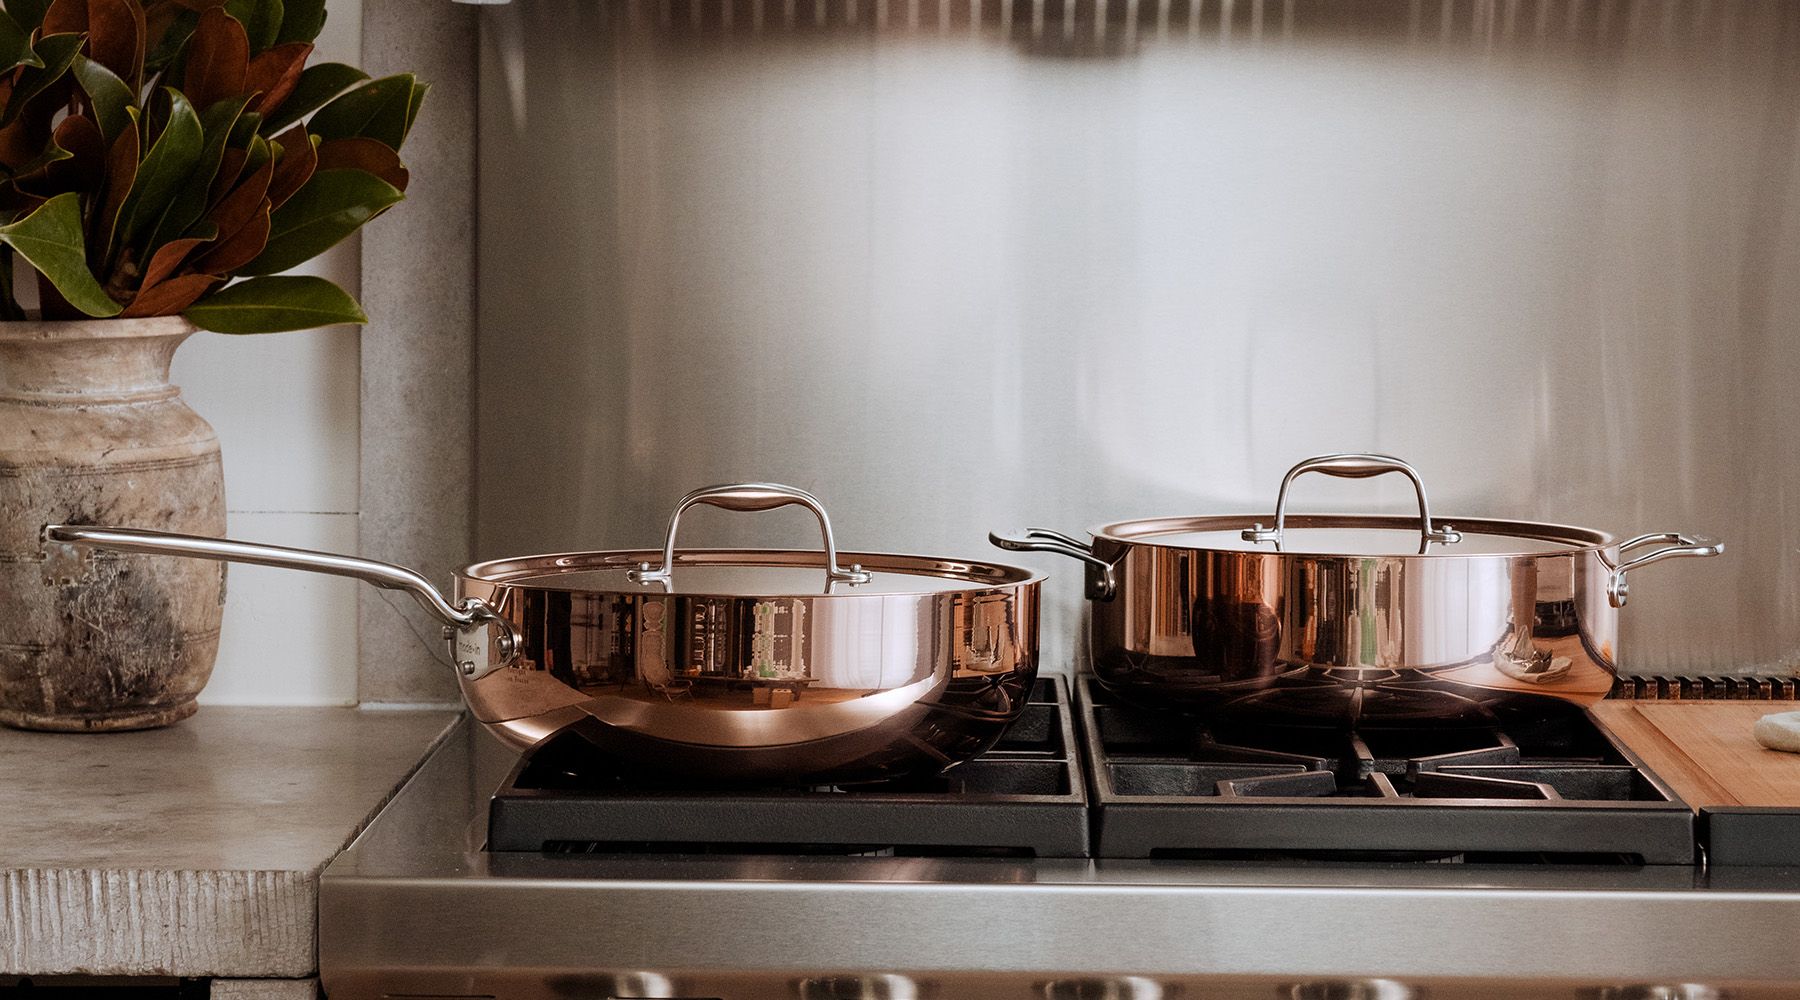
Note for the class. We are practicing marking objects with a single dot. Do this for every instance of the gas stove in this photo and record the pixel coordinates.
(1027, 797)
(1152, 785)
(1556, 791)
(1099, 850)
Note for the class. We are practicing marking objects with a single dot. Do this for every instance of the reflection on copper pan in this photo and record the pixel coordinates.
(761, 665)
(1197, 610)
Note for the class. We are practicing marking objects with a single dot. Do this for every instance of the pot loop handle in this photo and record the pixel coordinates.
(1354, 465)
(1102, 577)
(1674, 544)
(745, 497)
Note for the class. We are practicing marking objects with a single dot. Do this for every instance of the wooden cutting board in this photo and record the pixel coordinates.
(1705, 752)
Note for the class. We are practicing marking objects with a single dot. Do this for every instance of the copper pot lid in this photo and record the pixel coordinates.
(750, 572)
(1356, 534)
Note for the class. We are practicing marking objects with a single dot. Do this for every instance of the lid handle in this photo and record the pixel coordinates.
(746, 497)
(1354, 466)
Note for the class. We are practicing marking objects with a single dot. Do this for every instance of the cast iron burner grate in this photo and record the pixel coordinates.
(1555, 790)
(1024, 798)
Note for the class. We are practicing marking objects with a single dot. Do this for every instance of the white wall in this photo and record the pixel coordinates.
(286, 410)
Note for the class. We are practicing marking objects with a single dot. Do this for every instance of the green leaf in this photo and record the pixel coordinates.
(379, 109)
(261, 19)
(57, 52)
(248, 124)
(173, 42)
(15, 45)
(275, 304)
(50, 239)
(412, 110)
(259, 154)
(331, 206)
(163, 170)
(110, 96)
(302, 22)
(28, 14)
(189, 202)
(318, 83)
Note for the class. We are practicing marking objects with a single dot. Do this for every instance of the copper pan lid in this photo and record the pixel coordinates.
(1355, 535)
(751, 572)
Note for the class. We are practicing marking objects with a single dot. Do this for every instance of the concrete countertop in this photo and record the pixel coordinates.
(193, 850)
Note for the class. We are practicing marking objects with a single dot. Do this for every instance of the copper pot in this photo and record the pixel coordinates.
(739, 664)
(1354, 619)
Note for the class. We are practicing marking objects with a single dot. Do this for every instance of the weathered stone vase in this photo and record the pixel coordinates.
(91, 432)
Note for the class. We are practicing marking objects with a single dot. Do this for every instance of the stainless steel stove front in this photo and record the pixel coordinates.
(416, 909)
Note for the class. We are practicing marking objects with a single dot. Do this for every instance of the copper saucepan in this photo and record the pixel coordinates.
(738, 664)
(1352, 619)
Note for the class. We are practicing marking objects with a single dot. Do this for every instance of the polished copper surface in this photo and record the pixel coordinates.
(1407, 621)
(852, 682)
(1355, 638)
(763, 665)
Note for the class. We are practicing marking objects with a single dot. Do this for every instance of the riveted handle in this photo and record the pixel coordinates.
(1675, 544)
(1354, 465)
(1102, 578)
(747, 497)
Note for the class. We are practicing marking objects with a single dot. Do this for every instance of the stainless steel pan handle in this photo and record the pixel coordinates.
(749, 497)
(1674, 544)
(1102, 579)
(1354, 465)
(481, 640)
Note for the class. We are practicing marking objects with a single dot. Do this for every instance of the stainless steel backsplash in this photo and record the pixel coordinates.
(984, 263)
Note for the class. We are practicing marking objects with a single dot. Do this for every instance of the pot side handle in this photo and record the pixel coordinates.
(1674, 544)
(1102, 578)
(480, 639)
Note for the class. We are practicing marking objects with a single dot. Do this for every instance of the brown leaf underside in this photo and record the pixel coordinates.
(274, 73)
(297, 163)
(170, 297)
(115, 30)
(239, 248)
(360, 153)
(235, 209)
(167, 258)
(218, 60)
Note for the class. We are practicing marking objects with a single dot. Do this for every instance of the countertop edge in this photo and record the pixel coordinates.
(148, 921)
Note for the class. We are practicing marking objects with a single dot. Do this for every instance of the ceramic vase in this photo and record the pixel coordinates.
(92, 432)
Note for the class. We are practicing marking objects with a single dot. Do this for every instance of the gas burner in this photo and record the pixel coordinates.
(1024, 798)
(1555, 788)
(1359, 698)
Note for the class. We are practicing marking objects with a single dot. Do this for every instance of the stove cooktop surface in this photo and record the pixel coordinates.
(420, 904)
(1085, 775)
(1026, 797)
(1537, 790)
